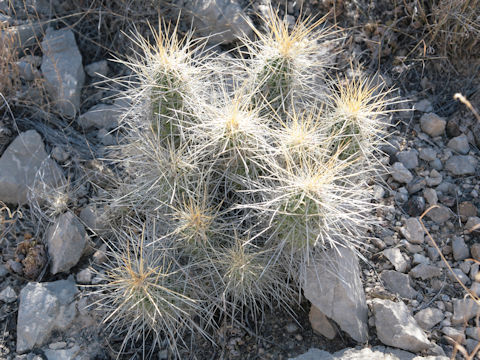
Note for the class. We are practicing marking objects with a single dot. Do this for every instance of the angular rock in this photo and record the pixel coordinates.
(473, 332)
(413, 231)
(92, 218)
(62, 69)
(63, 354)
(429, 317)
(423, 106)
(334, 286)
(395, 256)
(43, 309)
(464, 310)
(66, 240)
(19, 165)
(8, 295)
(460, 249)
(396, 327)
(456, 335)
(400, 173)
(100, 116)
(461, 165)
(425, 271)
(475, 250)
(409, 158)
(431, 196)
(458, 275)
(440, 214)
(432, 124)
(320, 324)
(459, 144)
(98, 68)
(473, 225)
(398, 283)
(223, 20)
(427, 154)
(375, 353)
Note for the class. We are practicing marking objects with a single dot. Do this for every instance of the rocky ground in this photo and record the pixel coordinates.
(417, 270)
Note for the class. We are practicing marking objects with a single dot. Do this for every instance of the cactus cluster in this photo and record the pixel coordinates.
(232, 174)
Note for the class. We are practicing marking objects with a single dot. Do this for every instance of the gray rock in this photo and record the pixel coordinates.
(461, 165)
(456, 335)
(100, 116)
(400, 173)
(99, 68)
(428, 154)
(413, 231)
(62, 354)
(425, 271)
(320, 323)
(27, 71)
(375, 353)
(460, 275)
(423, 106)
(93, 219)
(106, 137)
(440, 214)
(398, 283)
(334, 286)
(396, 327)
(429, 317)
(460, 249)
(314, 354)
(464, 310)
(409, 158)
(420, 259)
(475, 248)
(473, 332)
(432, 124)
(60, 154)
(223, 20)
(431, 196)
(62, 70)
(19, 165)
(66, 240)
(8, 295)
(84, 276)
(459, 144)
(473, 224)
(44, 308)
(395, 256)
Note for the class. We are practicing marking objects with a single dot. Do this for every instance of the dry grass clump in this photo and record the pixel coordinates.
(452, 27)
(229, 182)
(9, 79)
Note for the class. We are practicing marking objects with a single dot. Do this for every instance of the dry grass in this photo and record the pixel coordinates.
(9, 76)
(451, 27)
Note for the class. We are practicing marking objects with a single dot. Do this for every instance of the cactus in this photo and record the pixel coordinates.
(247, 177)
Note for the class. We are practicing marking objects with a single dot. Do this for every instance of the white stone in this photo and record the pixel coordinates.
(62, 69)
(429, 317)
(43, 309)
(334, 286)
(413, 231)
(396, 327)
(461, 165)
(19, 165)
(395, 256)
(66, 239)
(8, 295)
(400, 173)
